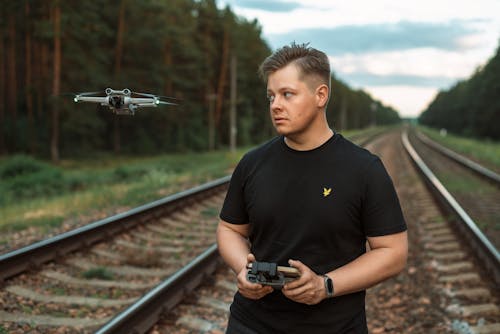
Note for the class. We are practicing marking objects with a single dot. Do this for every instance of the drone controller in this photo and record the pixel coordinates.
(266, 273)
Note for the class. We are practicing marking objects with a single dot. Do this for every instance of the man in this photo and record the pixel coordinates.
(309, 199)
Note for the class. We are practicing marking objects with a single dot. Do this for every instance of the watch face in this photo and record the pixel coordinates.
(329, 285)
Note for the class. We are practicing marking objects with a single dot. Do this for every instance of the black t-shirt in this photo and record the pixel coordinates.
(315, 206)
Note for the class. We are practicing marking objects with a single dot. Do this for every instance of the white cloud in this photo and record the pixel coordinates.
(423, 62)
(421, 70)
(409, 100)
(328, 13)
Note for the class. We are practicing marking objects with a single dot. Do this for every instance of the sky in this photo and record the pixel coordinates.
(400, 52)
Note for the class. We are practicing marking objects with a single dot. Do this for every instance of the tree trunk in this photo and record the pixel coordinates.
(118, 67)
(222, 78)
(44, 77)
(11, 69)
(211, 121)
(232, 110)
(210, 96)
(343, 114)
(168, 91)
(54, 142)
(29, 85)
(3, 149)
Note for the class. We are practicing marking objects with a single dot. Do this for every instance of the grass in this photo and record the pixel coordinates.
(463, 185)
(103, 185)
(38, 194)
(484, 151)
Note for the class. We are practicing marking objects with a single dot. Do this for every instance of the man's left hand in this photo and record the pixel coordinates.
(308, 289)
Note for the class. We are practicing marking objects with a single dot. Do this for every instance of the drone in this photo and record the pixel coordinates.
(123, 102)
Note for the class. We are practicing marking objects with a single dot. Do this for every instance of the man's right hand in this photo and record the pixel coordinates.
(248, 289)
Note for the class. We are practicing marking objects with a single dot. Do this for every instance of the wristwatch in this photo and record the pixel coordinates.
(328, 286)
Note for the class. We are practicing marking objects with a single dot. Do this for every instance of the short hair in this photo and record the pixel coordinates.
(309, 61)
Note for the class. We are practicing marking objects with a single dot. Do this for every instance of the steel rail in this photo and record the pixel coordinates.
(477, 168)
(20, 260)
(143, 314)
(481, 245)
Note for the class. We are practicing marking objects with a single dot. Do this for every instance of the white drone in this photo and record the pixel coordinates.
(123, 102)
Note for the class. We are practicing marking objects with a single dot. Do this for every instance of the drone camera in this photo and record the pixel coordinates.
(116, 102)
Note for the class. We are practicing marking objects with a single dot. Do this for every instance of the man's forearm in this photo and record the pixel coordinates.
(371, 268)
(233, 248)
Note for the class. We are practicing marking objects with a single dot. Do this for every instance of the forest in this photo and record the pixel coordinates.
(187, 49)
(471, 107)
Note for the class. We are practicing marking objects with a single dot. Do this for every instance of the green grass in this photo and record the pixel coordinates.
(463, 185)
(38, 194)
(103, 186)
(484, 151)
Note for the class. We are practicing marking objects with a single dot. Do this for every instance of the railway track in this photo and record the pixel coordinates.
(445, 289)
(78, 281)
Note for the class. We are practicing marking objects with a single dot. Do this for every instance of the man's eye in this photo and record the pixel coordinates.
(287, 94)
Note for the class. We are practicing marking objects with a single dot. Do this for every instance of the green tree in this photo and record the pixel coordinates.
(471, 107)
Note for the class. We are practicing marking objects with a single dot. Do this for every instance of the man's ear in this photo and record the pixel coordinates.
(322, 94)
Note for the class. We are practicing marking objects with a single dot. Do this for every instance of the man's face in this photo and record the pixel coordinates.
(292, 102)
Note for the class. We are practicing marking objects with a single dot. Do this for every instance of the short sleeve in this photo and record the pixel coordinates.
(381, 211)
(234, 209)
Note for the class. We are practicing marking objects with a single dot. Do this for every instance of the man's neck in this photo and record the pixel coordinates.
(310, 141)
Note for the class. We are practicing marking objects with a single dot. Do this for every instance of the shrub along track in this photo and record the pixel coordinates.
(443, 289)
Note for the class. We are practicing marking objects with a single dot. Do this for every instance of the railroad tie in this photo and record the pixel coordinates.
(69, 300)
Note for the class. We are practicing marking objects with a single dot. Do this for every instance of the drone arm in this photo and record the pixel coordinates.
(140, 100)
(143, 102)
(148, 102)
(97, 99)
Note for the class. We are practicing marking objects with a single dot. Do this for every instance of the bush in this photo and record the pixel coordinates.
(20, 165)
(124, 173)
(23, 177)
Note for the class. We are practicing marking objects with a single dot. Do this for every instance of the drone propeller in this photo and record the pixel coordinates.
(158, 97)
(166, 102)
(88, 93)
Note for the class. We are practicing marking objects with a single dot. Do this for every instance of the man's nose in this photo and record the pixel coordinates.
(275, 104)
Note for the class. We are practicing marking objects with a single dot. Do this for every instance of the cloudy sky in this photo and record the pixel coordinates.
(401, 52)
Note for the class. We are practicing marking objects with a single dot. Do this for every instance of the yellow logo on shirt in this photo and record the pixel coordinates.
(326, 191)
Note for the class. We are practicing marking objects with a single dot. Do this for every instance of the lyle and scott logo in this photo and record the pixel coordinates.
(327, 191)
